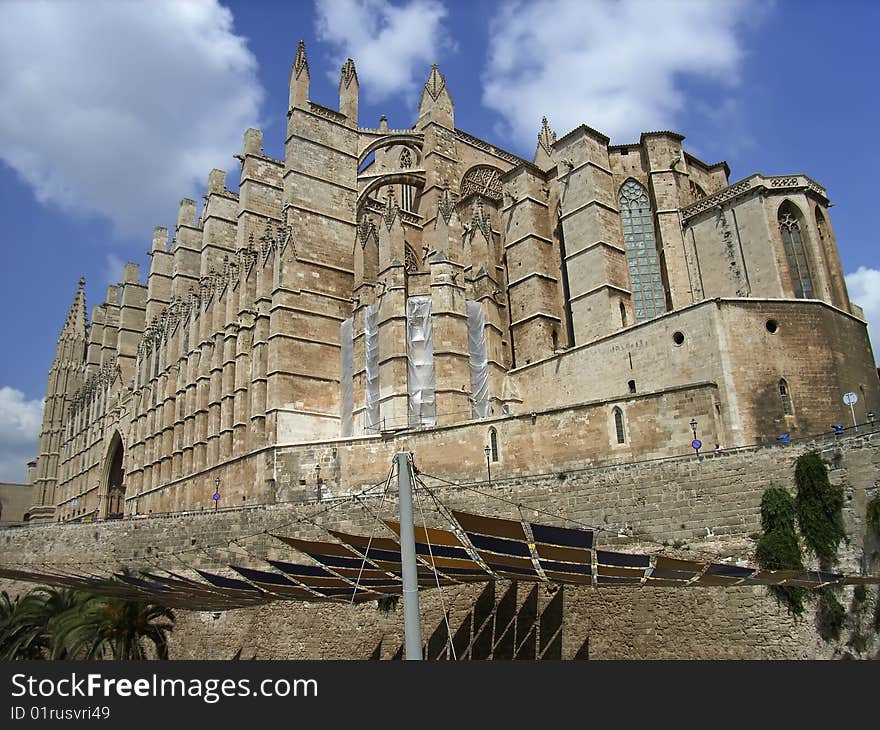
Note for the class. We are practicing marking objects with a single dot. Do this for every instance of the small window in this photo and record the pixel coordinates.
(493, 444)
(785, 397)
(772, 326)
(678, 338)
(632, 386)
(622, 315)
(618, 426)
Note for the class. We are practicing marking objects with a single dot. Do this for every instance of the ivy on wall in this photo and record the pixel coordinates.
(778, 547)
(819, 507)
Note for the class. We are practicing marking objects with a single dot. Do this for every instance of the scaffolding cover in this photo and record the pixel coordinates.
(346, 333)
(478, 358)
(371, 366)
(420, 361)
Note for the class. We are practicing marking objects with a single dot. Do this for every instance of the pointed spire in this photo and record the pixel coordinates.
(300, 62)
(480, 220)
(299, 78)
(349, 74)
(445, 205)
(365, 229)
(76, 321)
(544, 150)
(436, 103)
(348, 92)
(436, 82)
(391, 210)
(546, 137)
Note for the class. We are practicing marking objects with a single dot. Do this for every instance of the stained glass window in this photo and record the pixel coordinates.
(649, 299)
(793, 243)
(618, 426)
(785, 397)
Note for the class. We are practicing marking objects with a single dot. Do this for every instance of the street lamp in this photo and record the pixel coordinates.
(488, 451)
(318, 480)
(696, 443)
(871, 418)
(216, 496)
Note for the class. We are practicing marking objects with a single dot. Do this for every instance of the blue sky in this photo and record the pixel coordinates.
(110, 116)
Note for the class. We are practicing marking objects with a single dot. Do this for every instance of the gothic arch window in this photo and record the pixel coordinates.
(795, 252)
(410, 260)
(407, 192)
(115, 480)
(785, 397)
(482, 179)
(619, 428)
(622, 315)
(641, 251)
(696, 191)
(493, 444)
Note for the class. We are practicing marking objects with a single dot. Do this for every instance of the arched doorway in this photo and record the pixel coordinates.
(115, 484)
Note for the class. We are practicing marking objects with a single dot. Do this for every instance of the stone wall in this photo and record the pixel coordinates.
(683, 506)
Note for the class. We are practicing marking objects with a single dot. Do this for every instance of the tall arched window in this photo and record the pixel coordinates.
(622, 315)
(785, 397)
(618, 426)
(641, 251)
(407, 193)
(493, 444)
(793, 243)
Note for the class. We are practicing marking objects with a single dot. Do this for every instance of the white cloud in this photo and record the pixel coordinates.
(864, 289)
(392, 44)
(20, 421)
(121, 108)
(615, 66)
(113, 268)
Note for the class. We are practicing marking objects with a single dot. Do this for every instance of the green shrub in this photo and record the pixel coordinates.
(778, 547)
(777, 509)
(819, 507)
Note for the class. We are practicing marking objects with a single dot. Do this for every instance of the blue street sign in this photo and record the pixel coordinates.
(783, 438)
(838, 429)
(216, 496)
(696, 443)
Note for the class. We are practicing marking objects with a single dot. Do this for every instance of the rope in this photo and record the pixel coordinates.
(436, 577)
(372, 534)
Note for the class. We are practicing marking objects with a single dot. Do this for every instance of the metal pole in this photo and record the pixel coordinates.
(411, 624)
(853, 409)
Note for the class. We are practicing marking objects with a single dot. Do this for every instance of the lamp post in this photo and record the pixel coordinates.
(696, 443)
(488, 451)
(318, 480)
(871, 418)
(216, 496)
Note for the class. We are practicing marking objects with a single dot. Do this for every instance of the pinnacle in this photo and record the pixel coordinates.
(349, 74)
(546, 137)
(300, 62)
(76, 321)
(436, 82)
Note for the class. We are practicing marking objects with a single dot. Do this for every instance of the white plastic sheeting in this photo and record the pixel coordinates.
(420, 362)
(478, 359)
(346, 383)
(371, 366)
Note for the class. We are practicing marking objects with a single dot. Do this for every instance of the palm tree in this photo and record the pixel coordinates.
(52, 623)
(26, 623)
(115, 628)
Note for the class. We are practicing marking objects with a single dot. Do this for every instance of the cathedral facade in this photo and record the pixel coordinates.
(421, 288)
